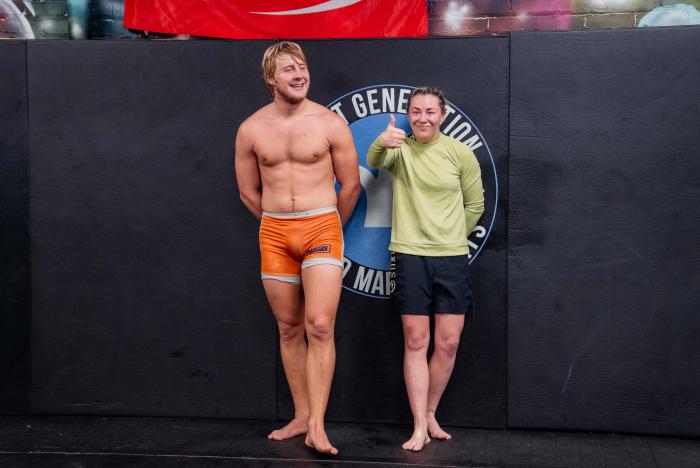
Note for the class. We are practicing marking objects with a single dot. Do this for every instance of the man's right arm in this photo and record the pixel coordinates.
(247, 171)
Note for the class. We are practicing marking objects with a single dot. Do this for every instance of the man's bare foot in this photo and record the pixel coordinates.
(417, 441)
(318, 440)
(434, 429)
(296, 426)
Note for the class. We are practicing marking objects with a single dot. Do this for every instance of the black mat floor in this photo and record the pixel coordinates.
(76, 442)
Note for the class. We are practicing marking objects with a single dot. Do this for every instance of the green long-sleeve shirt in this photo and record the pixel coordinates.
(438, 196)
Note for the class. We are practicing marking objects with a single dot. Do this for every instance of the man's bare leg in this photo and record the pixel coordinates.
(448, 329)
(416, 333)
(287, 305)
(322, 285)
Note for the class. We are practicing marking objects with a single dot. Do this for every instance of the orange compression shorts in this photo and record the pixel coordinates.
(292, 241)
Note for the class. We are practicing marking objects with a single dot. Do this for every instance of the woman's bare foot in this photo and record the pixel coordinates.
(318, 440)
(435, 430)
(296, 426)
(417, 441)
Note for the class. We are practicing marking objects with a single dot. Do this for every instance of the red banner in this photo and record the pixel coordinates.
(279, 19)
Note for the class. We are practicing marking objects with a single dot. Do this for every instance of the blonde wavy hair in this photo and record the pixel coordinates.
(269, 61)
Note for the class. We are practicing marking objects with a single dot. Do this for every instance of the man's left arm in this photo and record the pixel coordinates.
(472, 189)
(345, 166)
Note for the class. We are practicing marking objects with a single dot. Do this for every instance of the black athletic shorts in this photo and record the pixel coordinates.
(429, 285)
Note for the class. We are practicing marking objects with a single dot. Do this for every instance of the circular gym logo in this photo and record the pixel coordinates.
(368, 232)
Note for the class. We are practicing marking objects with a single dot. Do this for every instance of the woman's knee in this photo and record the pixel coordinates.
(416, 339)
(447, 345)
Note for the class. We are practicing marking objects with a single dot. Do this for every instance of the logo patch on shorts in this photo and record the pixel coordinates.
(323, 248)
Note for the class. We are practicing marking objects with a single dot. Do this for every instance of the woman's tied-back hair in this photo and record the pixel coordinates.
(269, 61)
(432, 91)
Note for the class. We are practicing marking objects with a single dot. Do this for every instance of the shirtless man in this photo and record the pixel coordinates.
(287, 155)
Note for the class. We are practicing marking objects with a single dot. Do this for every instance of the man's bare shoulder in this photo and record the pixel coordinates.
(256, 119)
(317, 109)
(332, 121)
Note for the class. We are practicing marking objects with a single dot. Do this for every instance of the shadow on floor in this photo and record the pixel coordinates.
(74, 441)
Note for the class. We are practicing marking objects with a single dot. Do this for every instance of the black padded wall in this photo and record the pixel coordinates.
(15, 303)
(146, 289)
(368, 383)
(146, 294)
(604, 266)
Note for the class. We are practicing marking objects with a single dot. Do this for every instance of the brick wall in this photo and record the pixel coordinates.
(467, 17)
(95, 19)
(64, 19)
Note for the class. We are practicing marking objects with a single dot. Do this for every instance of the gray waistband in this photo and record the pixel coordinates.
(302, 214)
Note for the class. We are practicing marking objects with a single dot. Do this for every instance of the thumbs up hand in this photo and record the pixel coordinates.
(392, 137)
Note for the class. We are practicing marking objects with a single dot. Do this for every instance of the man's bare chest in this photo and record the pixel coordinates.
(306, 147)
